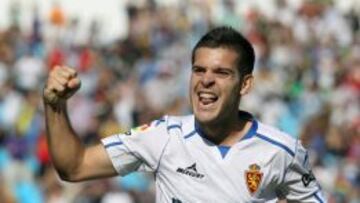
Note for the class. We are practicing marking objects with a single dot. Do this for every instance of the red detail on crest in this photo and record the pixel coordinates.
(253, 178)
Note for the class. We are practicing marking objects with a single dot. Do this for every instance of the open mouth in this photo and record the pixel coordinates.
(207, 98)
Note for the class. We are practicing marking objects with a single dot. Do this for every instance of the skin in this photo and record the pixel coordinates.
(215, 92)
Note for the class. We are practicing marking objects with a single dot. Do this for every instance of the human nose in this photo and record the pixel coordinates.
(208, 79)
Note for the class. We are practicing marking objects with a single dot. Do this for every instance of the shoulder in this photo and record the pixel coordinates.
(170, 123)
(277, 138)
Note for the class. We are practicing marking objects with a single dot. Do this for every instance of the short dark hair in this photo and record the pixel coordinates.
(228, 37)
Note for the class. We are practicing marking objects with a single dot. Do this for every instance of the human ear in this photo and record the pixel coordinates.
(246, 84)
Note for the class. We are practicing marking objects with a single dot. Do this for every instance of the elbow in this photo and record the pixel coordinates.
(68, 177)
(68, 173)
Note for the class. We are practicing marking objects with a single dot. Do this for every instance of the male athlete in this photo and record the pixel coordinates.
(219, 154)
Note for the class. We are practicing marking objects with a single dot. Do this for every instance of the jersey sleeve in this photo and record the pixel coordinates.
(139, 149)
(299, 183)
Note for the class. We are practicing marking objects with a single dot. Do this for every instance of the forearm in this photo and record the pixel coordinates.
(65, 146)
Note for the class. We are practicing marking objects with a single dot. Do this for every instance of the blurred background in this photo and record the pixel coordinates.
(134, 61)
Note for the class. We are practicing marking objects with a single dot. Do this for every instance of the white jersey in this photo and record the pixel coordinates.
(188, 168)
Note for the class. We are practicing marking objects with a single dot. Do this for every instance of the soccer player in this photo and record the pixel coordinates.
(218, 154)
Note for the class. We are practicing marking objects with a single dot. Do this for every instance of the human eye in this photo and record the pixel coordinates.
(222, 72)
(198, 69)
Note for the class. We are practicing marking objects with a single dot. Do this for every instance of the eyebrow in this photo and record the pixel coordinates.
(217, 68)
(197, 66)
(225, 69)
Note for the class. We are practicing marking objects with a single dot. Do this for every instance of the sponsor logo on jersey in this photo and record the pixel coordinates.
(141, 128)
(253, 178)
(190, 171)
(307, 178)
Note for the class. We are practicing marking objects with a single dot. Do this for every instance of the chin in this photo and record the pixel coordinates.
(205, 117)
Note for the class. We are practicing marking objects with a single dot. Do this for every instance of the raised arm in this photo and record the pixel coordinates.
(72, 160)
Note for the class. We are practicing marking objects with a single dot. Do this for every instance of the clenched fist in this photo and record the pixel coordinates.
(62, 83)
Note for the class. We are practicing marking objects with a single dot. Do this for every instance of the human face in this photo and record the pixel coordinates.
(215, 85)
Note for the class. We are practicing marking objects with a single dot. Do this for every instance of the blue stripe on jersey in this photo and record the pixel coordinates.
(306, 158)
(252, 130)
(113, 144)
(159, 121)
(318, 198)
(287, 149)
(173, 126)
(190, 134)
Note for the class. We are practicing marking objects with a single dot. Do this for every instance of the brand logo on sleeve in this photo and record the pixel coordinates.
(307, 178)
(190, 171)
(253, 178)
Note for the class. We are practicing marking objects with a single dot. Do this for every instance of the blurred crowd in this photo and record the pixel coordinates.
(307, 83)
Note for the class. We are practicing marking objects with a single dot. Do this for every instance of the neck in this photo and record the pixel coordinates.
(225, 133)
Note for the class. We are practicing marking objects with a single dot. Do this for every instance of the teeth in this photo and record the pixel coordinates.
(207, 96)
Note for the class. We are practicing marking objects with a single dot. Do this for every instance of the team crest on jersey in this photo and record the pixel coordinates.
(253, 178)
